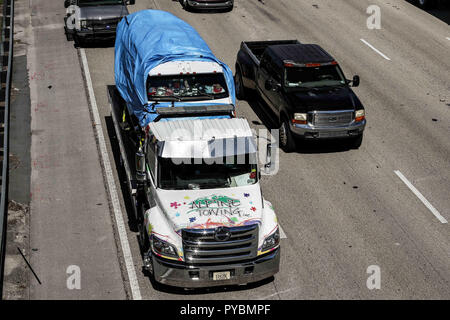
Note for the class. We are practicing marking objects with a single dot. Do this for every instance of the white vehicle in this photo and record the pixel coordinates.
(195, 189)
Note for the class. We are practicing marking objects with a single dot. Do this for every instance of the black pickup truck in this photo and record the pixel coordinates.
(304, 87)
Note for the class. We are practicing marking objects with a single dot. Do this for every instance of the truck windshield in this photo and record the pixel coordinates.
(84, 3)
(309, 77)
(187, 87)
(204, 175)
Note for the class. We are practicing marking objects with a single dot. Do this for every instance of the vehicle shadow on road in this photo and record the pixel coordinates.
(442, 12)
(303, 147)
(132, 223)
(202, 291)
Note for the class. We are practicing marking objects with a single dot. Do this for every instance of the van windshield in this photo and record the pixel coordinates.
(309, 77)
(183, 87)
(200, 174)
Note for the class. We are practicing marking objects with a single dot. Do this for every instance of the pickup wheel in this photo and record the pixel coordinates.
(240, 90)
(185, 5)
(287, 141)
(69, 36)
(356, 142)
(78, 41)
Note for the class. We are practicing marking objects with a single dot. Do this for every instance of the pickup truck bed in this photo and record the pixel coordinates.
(257, 48)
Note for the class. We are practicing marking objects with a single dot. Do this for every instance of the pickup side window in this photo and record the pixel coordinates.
(264, 63)
(274, 72)
(268, 65)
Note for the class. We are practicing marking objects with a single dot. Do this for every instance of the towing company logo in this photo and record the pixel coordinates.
(217, 206)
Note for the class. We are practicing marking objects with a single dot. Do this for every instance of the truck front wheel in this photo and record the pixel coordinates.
(185, 5)
(287, 141)
(357, 142)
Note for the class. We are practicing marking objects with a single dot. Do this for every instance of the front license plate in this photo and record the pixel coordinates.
(224, 275)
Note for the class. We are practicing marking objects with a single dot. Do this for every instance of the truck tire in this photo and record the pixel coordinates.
(230, 8)
(69, 36)
(77, 41)
(185, 5)
(240, 90)
(287, 141)
(356, 142)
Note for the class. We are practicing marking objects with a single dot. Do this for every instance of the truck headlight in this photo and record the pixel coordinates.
(360, 115)
(163, 247)
(271, 241)
(300, 118)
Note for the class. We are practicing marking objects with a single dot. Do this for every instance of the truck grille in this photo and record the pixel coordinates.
(104, 24)
(201, 247)
(331, 119)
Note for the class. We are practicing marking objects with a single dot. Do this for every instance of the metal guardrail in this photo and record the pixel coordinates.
(6, 54)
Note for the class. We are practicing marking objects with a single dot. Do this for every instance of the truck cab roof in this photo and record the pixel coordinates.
(200, 129)
(205, 138)
(298, 54)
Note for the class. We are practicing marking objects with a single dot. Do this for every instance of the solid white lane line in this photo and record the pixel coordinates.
(375, 49)
(448, 38)
(421, 197)
(127, 256)
(282, 234)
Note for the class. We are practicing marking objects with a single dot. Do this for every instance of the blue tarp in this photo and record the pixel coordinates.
(148, 38)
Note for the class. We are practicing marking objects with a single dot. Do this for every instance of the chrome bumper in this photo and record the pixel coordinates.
(210, 5)
(180, 275)
(310, 132)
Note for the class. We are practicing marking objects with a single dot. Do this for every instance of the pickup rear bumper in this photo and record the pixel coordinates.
(307, 131)
(181, 275)
(210, 5)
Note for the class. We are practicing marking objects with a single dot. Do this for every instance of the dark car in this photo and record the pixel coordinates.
(427, 4)
(91, 20)
(304, 88)
(207, 4)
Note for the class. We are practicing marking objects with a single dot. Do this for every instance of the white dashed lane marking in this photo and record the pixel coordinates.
(421, 197)
(375, 49)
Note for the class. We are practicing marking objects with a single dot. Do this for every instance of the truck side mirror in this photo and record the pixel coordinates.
(66, 3)
(140, 165)
(268, 164)
(356, 80)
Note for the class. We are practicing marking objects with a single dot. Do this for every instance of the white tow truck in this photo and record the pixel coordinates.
(195, 189)
(192, 167)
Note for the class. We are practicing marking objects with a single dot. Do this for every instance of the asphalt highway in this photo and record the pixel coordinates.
(342, 210)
